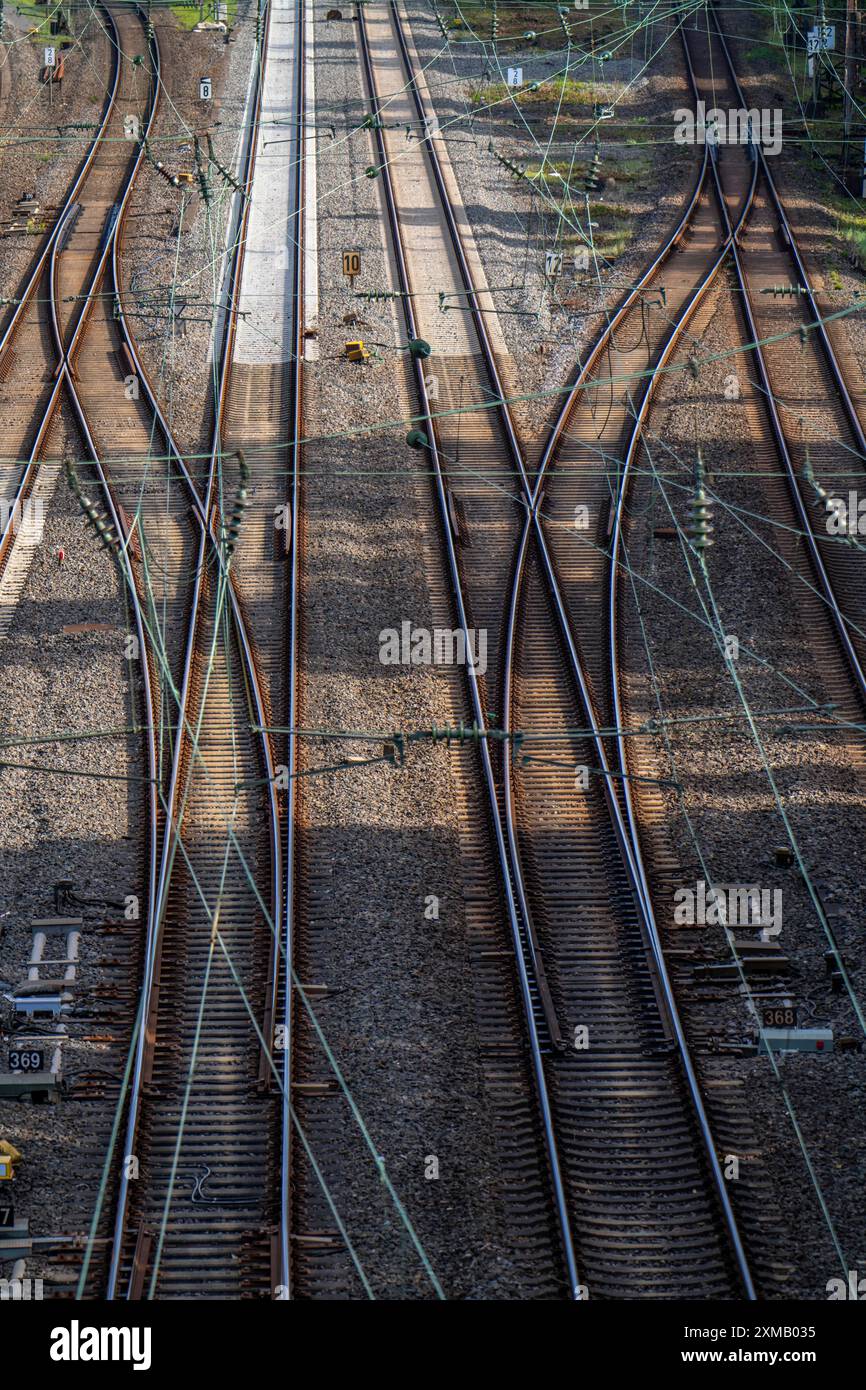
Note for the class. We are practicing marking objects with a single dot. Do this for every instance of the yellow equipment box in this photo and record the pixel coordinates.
(9, 1155)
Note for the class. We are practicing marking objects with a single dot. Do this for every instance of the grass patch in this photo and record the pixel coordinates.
(554, 91)
(632, 169)
(40, 27)
(614, 231)
(851, 226)
(188, 16)
(472, 22)
(487, 95)
(568, 89)
(611, 236)
(557, 172)
(855, 241)
(765, 53)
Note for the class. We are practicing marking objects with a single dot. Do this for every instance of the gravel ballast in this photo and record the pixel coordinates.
(72, 809)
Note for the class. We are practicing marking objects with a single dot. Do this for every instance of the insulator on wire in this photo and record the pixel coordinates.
(441, 22)
(105, 532)
(809, 477)
(592, 182)
(518, 171)
(232, 529)
(700, 525)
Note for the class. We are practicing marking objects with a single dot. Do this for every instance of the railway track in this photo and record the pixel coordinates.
(615, 1186)
(815, 424)
(123, 434)
(264, 414)
(827, 575)
(205, 712)
(61, 340)
(577, 450)
(824, 567)
(199, 1222)
(32, 389)
(197, 1219)
(568, 858)
(67, 309)
(474, 509)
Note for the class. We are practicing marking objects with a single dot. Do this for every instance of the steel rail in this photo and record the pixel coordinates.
(732, 246)
(582, 380)
(624, 480)
(674, 339)
(207, 515)
(506, 868)
(157, 884)
(532, 494)
(629, 844)
(619, 716)
(292, 658)
(207, 519)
